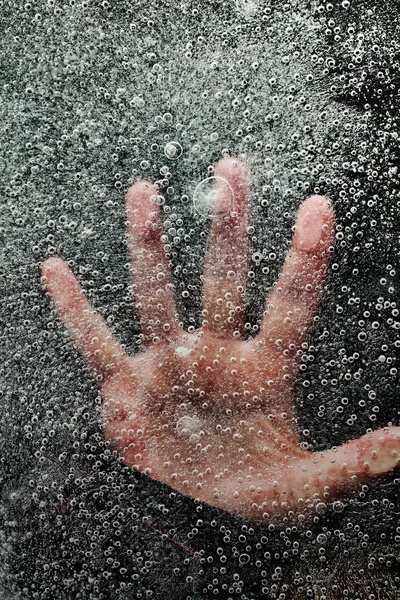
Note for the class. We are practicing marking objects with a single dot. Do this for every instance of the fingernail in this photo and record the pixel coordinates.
(308, 227)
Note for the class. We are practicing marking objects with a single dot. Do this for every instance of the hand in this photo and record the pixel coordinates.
(205, 412)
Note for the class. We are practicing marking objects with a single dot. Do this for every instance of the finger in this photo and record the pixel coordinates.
(354, 462)
(152, 281)
(307, 479)
(226, 263)
(296, 294)
(87, 329)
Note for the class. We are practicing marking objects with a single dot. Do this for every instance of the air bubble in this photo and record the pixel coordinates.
(338, 506)
(188, 427)
(173, 150)
(213, 197)
(320, 508)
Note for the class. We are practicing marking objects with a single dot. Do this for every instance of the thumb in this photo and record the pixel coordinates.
(373, 454)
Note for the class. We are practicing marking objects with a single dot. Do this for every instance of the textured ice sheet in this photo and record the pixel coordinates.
(92, 94)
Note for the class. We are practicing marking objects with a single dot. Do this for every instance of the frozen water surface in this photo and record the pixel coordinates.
(95, 95)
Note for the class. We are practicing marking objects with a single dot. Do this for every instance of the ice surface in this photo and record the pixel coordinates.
(96, 94)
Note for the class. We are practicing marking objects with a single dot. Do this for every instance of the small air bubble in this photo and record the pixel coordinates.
(173, 150)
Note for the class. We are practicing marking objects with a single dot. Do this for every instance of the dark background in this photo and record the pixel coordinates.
(91, 93)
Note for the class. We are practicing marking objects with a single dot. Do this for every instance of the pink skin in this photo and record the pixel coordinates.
(206, 412)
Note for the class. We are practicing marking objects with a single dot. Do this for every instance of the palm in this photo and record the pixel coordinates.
(206, 412)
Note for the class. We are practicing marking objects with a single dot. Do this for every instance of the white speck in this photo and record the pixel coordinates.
(247, 7)
(182, 352)
(189, 427)
(87, 232)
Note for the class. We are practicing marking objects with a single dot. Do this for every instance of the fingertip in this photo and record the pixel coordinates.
(51, 265)
(140, 192)
(322, 204)
(50, 262)
(232, 168)
(319, 199)
(379, 452)
(314, 224)
(235, 173)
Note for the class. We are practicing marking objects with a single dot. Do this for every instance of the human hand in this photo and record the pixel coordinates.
(205, 412)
